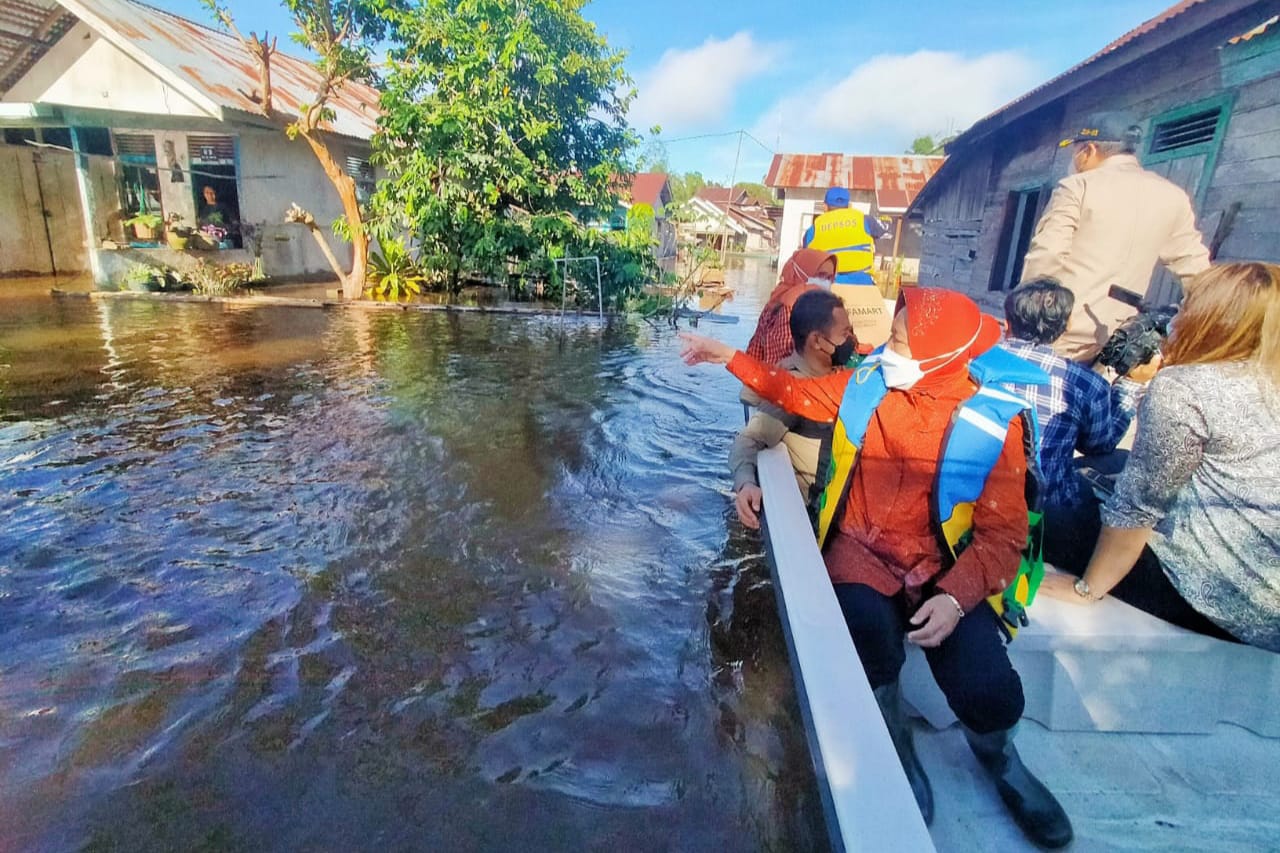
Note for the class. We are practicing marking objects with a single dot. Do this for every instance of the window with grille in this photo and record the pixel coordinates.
(1199, 128)
(136, 147)
(211, 149)
(362, 171)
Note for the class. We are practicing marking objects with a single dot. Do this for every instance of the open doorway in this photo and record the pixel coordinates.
(1020, 217)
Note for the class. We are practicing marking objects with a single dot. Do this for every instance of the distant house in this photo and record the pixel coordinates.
(881, 186)
(1202, 78)
(160, 108)
(654, 189)
(718, 215)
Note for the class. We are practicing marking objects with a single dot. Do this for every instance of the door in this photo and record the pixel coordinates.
(56, 174)
(43, 230)
(1015, 238)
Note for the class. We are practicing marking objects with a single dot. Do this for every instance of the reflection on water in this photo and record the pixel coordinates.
(285, 578)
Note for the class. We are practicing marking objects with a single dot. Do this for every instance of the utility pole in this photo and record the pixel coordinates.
(728, 209)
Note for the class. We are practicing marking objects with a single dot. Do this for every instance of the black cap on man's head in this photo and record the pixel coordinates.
(1105, 127)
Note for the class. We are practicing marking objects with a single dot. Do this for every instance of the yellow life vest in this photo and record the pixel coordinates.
(843, 233)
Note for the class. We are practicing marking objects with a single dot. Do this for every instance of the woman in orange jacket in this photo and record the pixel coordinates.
(884, 557)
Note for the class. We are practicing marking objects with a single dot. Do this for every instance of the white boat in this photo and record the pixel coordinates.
(1152, 737)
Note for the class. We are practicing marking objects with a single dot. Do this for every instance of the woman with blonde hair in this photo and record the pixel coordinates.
(1192, 533)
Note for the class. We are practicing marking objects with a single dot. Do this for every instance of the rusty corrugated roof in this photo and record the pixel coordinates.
(213, 66)
(821, 171)
(900, 179)
(894, 180)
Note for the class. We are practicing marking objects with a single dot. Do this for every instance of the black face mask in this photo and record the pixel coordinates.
(842, 353)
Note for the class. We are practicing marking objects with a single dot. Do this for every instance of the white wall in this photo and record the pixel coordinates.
(275, 172)
(83, 70)
(794, 207)
(272, 173)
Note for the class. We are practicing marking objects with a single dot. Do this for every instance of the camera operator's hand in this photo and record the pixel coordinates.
(1144, 373)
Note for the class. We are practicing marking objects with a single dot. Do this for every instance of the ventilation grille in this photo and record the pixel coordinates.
(136, 146)
(1195, 129)
(359, 169)
(211, 149)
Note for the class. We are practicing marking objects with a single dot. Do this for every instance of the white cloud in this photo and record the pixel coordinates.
(694, 89)
(891, 98)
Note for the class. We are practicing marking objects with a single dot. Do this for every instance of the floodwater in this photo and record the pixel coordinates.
(297, 579)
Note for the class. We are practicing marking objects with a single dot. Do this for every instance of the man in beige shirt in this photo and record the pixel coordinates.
(1109, 223)
(824, 342)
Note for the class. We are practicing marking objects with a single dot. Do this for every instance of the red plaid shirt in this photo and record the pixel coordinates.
(772, 341)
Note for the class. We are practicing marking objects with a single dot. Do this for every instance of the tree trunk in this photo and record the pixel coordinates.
(353, 285)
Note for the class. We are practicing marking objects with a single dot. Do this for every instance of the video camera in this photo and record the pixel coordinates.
(1139, 338)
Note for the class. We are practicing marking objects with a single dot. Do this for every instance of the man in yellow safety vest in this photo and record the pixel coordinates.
(849, 234)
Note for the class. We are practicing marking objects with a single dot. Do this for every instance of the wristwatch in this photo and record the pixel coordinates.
(1081, 586)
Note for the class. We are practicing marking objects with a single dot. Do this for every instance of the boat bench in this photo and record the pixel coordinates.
(1110, 667)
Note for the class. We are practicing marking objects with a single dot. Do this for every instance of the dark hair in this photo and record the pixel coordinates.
(812, 313)
(1038, 310)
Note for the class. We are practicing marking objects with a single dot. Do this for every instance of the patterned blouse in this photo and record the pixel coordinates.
(1205, 473)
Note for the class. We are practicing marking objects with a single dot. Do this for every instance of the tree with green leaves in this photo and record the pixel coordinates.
(686, 186)
(757, 193)
(926, 145)
(341, 35)
(503, 129)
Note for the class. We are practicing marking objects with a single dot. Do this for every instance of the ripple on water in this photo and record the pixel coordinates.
(289, 579)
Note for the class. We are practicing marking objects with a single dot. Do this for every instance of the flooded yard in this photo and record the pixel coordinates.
(289, 578)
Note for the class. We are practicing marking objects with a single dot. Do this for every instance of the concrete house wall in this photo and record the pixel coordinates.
(89, 81)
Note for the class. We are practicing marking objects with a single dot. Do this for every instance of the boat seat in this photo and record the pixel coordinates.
(1110, 667)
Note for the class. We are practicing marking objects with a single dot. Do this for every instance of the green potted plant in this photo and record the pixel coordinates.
(177, 234)
(145, 224)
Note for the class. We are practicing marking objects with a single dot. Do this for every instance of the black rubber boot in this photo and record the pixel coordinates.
(890, 701)
(1035, 809)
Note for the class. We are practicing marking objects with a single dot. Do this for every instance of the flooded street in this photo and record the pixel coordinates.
(288, 578)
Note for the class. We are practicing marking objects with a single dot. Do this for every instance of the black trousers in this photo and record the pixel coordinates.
(1149, 589)
(971, 666)
(1070, 533)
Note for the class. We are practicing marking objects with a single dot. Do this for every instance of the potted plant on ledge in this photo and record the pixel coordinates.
(145, 224)
(214, 236)
(177, 234)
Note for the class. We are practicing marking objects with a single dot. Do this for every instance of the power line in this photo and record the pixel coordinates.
(700, 136)
(741, 133)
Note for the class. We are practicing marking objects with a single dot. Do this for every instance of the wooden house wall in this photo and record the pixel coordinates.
(962, 224)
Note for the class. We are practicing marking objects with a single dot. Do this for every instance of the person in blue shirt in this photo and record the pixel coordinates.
(1078, 411)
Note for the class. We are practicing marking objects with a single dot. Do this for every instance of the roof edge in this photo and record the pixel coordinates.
(85, 13)
(1109, 59)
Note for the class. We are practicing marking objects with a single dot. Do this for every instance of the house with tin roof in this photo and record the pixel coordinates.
(1202, 79)
(654, 189)
(881, 186)
(111, 108)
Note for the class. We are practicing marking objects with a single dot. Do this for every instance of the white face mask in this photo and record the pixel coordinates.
(903, 373)
(824, 283)
(899, 371)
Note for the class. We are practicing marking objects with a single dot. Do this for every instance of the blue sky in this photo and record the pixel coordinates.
(801, 75)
